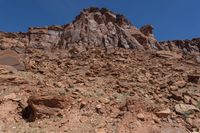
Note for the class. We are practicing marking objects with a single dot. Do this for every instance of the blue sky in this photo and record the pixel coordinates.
(172, 19)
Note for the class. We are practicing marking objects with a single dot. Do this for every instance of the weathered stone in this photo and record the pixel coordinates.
(164, 113)
(185, 109)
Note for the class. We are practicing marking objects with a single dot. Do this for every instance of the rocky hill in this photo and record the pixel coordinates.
(98, 74)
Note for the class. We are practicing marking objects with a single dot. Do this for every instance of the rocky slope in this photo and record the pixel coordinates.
(99, 74)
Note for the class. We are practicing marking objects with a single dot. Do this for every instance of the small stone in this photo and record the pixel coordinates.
(181, 83)
(83, 104)
(98, 108)
(58, 84)
(91, 79)
(164, 113)
(104, 100)
(141, 116)
(173, 88)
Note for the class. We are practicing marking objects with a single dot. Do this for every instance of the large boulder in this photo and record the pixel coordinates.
(11, 58)
(40, 106)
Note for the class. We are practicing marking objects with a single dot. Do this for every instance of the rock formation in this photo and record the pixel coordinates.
(94, 27)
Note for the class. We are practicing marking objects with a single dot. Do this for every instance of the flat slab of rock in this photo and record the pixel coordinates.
(185, 109)
(168, 54)
(11, 58)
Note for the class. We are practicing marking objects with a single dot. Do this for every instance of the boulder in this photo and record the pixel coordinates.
(40, 106)
(185, 109)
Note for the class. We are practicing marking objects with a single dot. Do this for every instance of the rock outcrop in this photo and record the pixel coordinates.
(186, 46)
(94, 27)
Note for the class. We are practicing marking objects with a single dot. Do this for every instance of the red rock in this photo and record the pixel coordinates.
(44, 105)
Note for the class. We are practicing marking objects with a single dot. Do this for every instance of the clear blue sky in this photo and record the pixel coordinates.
(172, 19)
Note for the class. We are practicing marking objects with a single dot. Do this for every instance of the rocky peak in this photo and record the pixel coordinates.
(101, 27)
(93, 27)
(102, 16)
(147, 30)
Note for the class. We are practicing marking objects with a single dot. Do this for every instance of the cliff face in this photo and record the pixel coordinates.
(94, 27)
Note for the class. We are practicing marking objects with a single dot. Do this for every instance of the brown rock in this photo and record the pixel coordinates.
(164, 113)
